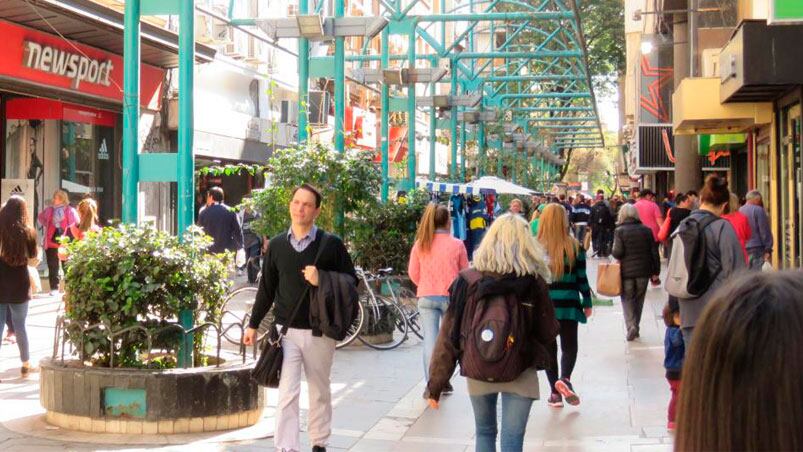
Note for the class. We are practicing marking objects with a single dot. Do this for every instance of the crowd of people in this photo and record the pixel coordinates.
(733, 337)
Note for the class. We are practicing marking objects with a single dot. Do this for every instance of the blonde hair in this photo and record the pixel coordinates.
(435, 216)
(553, 233)
(733, 203)
(509, 247)
(88, 214)
(61, 194)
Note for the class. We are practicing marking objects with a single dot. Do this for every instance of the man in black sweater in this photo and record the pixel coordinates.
(286, 270)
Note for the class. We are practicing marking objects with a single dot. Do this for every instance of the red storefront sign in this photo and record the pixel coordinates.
(50, 60)
(43, 109)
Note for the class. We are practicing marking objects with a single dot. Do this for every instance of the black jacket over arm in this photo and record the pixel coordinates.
(635, 247)
(283, 282)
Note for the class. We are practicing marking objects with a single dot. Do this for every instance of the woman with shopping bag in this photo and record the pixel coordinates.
(637, 252)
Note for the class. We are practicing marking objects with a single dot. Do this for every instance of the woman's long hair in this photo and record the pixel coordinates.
(553, 233)
(509, 247)
(436, 216)
(16, 233)
(88, 213)
(743, 375)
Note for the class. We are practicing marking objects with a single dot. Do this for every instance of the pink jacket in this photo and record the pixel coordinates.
(433, 272)
(46, 220)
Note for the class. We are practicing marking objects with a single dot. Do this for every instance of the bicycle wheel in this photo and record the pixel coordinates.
(409, 303)
(236, 310)
(385, 325)
(356, 326)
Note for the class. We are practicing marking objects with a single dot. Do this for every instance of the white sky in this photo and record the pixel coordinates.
(608, 107)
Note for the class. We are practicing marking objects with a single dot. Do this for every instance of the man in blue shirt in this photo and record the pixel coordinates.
(759, 246)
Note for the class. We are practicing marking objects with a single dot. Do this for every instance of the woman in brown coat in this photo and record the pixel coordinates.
(510, 262)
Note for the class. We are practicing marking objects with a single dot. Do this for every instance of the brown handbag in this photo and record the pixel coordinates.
(609, 279)
(587, 240)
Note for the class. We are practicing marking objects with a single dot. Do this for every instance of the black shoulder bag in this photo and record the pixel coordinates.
(268, 369)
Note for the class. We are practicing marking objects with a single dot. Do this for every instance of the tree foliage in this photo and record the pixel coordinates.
(603, 24)
(348, 182)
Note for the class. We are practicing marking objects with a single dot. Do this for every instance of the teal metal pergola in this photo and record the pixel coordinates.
(532, 71)
(517, 76)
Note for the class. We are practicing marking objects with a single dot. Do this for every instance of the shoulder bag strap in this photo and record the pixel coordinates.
(321, 245)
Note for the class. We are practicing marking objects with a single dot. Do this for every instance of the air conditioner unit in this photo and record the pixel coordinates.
(318, 107)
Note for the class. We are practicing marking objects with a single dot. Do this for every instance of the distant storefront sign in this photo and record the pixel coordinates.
(785, 12)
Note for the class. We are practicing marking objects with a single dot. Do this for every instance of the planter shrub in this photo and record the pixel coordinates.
(140, 278)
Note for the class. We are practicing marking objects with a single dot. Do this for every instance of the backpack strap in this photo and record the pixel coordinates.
(707, 221)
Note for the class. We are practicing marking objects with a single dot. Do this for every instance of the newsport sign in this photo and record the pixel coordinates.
(74, 66)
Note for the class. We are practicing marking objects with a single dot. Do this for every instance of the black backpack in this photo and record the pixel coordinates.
(688, 274)
(493, 335)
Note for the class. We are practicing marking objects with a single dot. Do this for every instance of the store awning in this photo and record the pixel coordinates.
(99, 26)
(500, 186)
(696, 109)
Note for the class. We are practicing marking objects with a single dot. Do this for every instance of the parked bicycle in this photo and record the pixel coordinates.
(382, 322)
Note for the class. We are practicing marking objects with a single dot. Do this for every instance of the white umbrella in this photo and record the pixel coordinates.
(500, 185)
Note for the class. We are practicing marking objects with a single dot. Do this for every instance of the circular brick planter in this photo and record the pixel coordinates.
(150, 402)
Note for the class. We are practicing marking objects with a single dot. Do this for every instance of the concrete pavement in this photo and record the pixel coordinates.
(378, 405)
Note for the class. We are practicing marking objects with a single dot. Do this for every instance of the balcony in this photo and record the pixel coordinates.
(696, 109)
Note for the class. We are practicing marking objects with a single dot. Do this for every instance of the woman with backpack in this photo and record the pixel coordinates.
(723, 253)
(638, 258)
(508, 284)
(17, 248)
(435, 261)
(571, 296)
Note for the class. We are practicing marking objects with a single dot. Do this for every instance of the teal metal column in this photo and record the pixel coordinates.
(186, 162)
(385, 119)
(411, 163)
(186, 93)
(481, 149)
(433, 132)
(130, 111)
(340, 83)
(303, 78)
(463, 153)
(453, 121)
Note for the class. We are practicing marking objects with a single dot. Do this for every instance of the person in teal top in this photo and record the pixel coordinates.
(571, 296)
(534, 219)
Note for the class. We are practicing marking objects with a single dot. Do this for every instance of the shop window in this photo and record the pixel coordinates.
(86, 155)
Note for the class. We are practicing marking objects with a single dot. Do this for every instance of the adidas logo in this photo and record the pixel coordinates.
(17, 190)
(103, 152)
